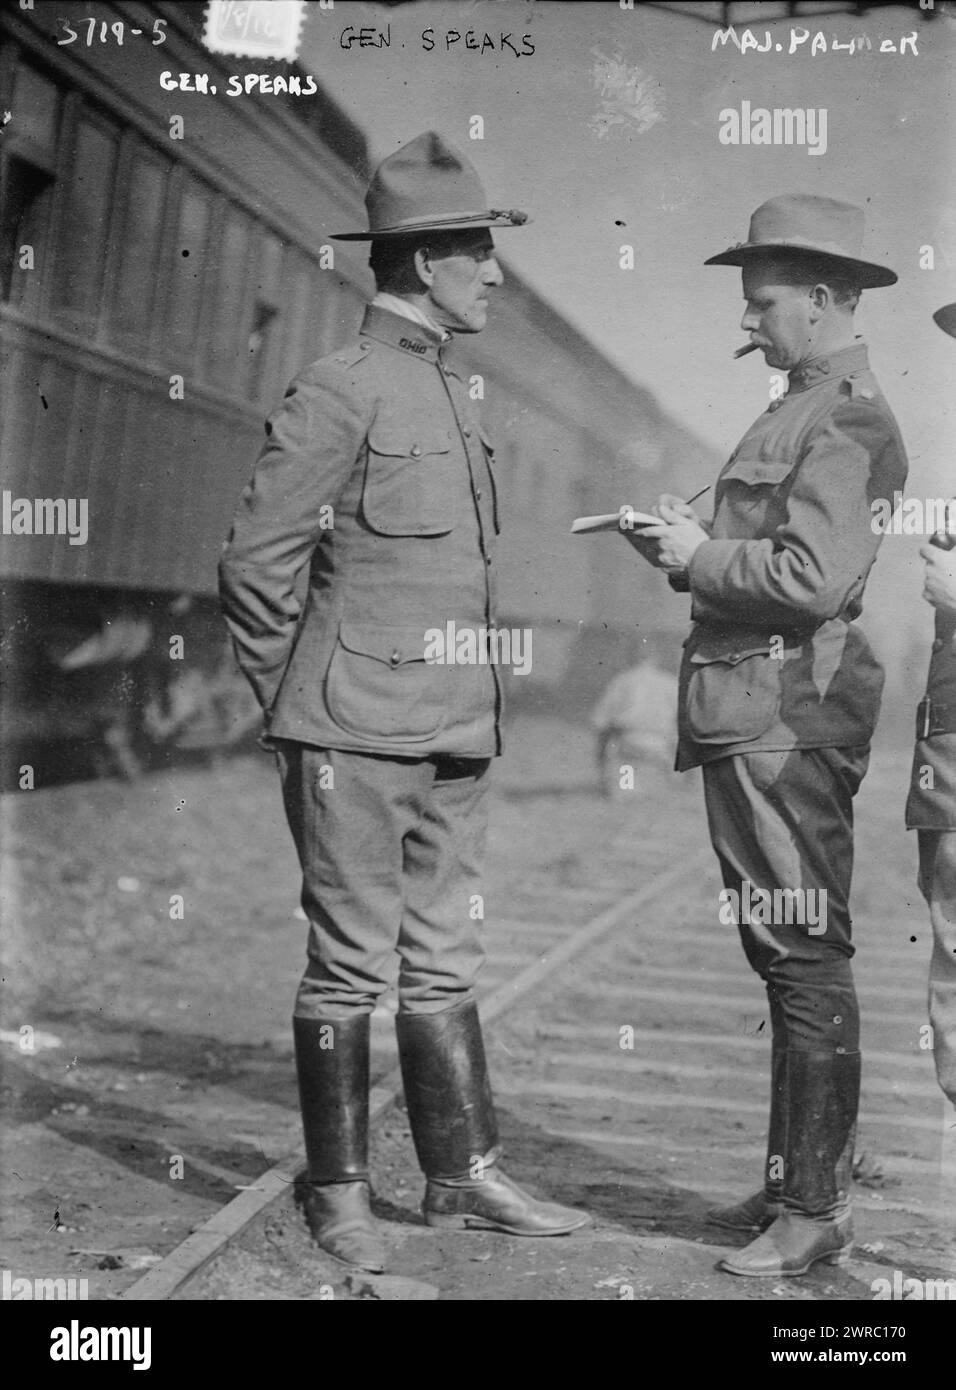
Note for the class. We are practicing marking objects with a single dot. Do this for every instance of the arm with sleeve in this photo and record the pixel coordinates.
(313, 441)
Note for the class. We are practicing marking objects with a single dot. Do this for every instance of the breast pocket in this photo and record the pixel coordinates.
(379, 684)
(756, 488)
(409, 487)
(733, 690)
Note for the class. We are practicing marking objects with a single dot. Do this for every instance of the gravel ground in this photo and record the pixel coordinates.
(159, 1035)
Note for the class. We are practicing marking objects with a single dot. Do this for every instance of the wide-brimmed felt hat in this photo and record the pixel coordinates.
(805, 224)
(428, 186)
(946, 318)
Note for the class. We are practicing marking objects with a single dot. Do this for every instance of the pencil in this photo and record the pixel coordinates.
(696, 495)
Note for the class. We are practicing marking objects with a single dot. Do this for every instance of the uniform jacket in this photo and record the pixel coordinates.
(382, 432)
(774, 660)
(931, 804)
(941, 683)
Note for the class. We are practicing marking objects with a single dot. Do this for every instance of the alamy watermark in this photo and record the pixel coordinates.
(781, 125)
(774, 907)
(479, 646)
(902, 1289)
(45, 516)
(15, 1288)
(913, 516)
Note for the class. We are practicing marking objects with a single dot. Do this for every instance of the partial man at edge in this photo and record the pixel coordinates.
(931, 807)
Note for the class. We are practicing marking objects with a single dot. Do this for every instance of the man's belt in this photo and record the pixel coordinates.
(933, 717)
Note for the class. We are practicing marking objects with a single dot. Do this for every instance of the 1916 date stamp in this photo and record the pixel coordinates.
(254, 28)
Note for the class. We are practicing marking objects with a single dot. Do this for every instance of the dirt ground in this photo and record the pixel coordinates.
(161, 1036)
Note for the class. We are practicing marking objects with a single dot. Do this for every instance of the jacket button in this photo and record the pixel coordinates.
(416, 451)
(364, 346)
(478, 493)
(735, 656)
(487, 559)
(396, 657)
(467, 432)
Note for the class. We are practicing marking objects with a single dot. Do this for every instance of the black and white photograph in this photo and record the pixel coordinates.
(478, 666)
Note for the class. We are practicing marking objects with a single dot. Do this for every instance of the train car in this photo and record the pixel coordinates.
(166, 269)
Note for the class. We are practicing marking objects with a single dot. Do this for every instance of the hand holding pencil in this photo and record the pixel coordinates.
(680, 530)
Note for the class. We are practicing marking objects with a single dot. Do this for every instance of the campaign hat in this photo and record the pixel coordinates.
(428, 186)
(826, 231)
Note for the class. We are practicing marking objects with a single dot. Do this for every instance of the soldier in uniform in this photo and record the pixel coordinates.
(384, 756)
(931, 806)
(779, 696)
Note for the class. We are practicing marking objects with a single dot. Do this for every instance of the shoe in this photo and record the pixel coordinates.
(757, 1212)
(332, 1057)
(815, 1226)
(495, 1203)
(754, 1214)
(340, 1220)
(455, 1131)
(792, 1245)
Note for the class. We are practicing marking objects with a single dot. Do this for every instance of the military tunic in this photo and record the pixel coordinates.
(779, 691)
(931, 811)
(377, 481)
(773, 660)
(377, 475)
(933, 807)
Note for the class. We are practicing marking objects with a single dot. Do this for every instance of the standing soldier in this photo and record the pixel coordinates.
(384, 758)
(779, 695)
(931, 807)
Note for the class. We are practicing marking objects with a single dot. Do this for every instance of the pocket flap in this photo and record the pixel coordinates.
(729, 650)
(406, 441)
(757, 471)
(394, 646)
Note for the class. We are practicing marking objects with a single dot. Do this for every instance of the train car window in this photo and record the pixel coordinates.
(36, 102)
(186, 272)
(296, 282)
(333, 320)
(26, 200)
(139, 269)
(232, 304)
(26, 189)
(85, 249)
(265, 326)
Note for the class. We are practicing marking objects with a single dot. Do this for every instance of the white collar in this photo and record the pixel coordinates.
(396, 305)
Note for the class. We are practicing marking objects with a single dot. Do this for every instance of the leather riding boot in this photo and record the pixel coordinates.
(453, 1124)
(332, 1058)
(815, 1225)
(758, 1211)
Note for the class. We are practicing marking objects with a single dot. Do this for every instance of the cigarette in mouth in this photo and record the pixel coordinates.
(742, 352)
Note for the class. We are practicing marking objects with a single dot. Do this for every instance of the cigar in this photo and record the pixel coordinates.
(742, 352)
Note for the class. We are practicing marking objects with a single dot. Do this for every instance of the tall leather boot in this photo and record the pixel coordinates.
(815, 1225)
(758, 1211)
(455, 1130)
(332, 1057)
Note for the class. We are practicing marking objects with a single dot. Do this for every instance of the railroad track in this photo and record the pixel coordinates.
(586, 934)
(503, 988)
(640, 1041)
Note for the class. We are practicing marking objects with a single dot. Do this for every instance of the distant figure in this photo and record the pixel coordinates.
(635, 720)
(931, 805)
